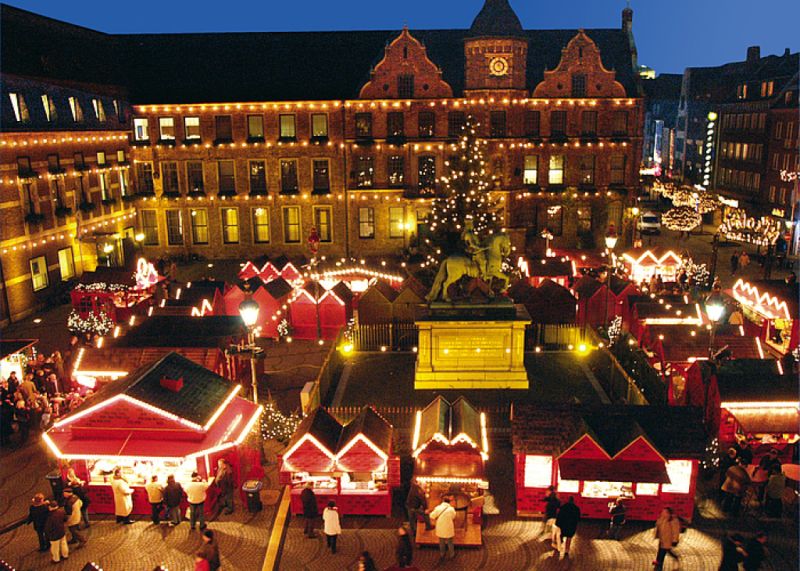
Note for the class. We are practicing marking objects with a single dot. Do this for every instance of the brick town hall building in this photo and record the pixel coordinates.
(235, 145)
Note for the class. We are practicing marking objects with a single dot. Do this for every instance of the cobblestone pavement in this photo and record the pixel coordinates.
(243, 537)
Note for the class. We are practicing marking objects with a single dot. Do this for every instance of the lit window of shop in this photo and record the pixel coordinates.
(319, 125)
(538, 471)
(174, 228)
(291, 224)
(261, 225)
(555, 174)
(149, 227)
(191, 128)
(289, 183)
(323, 223)
(66, 263)
(255, 127)
(39, 277)
(680, 477)
(644, 489)
(199, 219)
(396, 170)
(140, 129)
(366, 223)
(230, 225)
(365, 172)
(396, 221)
(531, 172)
(568, 486)
(288, 127)
(595, 489)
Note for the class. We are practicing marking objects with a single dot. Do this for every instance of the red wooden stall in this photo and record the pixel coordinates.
(171, 416)
(647, 455)
(596, 303)
(351, 464)
(272, 297)
(450, 447)
(320, 313)
(772, 305)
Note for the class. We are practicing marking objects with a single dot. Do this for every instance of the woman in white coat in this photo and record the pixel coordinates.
(331, 525)
(123, 498)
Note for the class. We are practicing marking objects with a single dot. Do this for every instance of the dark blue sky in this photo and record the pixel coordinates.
(670, 34)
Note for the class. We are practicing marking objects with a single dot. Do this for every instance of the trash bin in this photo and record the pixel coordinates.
(56, 485)
(252, 491)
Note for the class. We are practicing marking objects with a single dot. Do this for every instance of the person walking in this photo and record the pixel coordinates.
(225, 483)
(405, 550)
(417, 507)
(567, 522)
(734, 263)
(551, 505)
(72, 507)
(310, 509)
(6, 412)
(56, 532)
(123, 498)
(38, 512)
(196, 496)
(744, 260)
(668, 531)
(444, 516)
(755, 552)
(173, 496)
(79, 489)
(155, 495)
(331, 525)
(210, 550)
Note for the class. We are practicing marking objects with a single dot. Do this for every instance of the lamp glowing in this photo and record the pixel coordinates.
(248, 309)
(611, 241)
(714, 310)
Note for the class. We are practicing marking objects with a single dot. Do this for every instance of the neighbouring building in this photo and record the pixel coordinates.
(347, 132)
(662, 96)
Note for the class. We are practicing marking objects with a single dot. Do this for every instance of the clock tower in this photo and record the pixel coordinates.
(496, 51)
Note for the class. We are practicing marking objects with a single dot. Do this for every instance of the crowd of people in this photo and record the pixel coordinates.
(29, 405)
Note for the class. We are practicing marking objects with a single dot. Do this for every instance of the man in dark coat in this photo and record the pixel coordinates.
(405, 550)
(417, 506)
(755, 552)
(310, 509)
(551, 505)
(55, 529)
(173, 496)
(567, 521)
(617, 515)
(224, 482)
(37, 515)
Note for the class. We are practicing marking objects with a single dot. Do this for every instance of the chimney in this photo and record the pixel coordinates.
(753, 53)
(174, 385)
(787, 52)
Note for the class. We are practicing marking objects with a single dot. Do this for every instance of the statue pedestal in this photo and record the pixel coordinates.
(472, 347)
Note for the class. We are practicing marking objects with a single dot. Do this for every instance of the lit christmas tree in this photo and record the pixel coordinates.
(277, 426)
(465, 195)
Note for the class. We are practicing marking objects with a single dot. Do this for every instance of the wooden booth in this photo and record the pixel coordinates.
(375, 306)
(647, 455)
(351, 464)
(754, 399)
(597, 303)
(642, 264)
(773, 306)
(317, 313)
(170, 417)
(450, 447)
(560, 270)
(117, 293)
(14, 356)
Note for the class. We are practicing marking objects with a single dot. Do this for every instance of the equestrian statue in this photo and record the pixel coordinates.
(483, 260)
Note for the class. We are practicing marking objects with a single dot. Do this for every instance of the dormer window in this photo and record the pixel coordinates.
(20, 107)
(99, 111)
(75, 108)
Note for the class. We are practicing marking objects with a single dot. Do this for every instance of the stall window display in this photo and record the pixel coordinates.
(568, 486)
(680, 477)
(596, 489)
(538, 471)
(139, 472)
(644, 489)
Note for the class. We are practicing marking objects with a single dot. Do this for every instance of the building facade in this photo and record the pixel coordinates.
(349, 133)
(662, 96)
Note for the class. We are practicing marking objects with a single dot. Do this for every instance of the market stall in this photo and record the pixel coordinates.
(169, 417)
(560, 270)
(663, 310)
(406, 307)
(112, 294)
(597, 303)
(646, 455)
(450, 447)
(773, 306)
(319, 313)
(754, 399)
(351, 464)
(642, 264)
(376, 304)
(14, 356)
(273, 301)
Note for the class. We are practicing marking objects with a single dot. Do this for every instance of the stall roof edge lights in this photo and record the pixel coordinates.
(767, 305)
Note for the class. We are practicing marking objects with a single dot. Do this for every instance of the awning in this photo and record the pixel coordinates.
(613, 471)
(14, 346)
(449, 465)
(768, 420)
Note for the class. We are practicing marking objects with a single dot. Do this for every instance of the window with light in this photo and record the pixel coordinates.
(538, 471)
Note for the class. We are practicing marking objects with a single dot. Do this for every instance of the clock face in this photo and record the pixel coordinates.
(498, 66)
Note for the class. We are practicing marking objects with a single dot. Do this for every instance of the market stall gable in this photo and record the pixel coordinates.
(313, 446)
(646, 455)
(643, 264)
(773, 305)
(365, 443)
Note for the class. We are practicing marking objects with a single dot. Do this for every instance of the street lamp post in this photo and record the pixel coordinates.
(248, 310)
(611, 241)
(714, 310)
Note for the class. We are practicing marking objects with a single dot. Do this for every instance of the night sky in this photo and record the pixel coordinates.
(670, 34)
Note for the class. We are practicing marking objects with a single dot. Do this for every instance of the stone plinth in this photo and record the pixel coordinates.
(472, 347)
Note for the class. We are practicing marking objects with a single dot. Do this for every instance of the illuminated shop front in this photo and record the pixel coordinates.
(773, 306)
(169, 417)
(351, 464)
(646, 455)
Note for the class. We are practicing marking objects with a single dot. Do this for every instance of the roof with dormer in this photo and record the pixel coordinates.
(496, 19)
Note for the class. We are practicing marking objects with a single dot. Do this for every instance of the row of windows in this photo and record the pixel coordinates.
(40, 277)
(223, 128)
(777, 196)
(363, 122)
(743, 179)
(22, 113)
(744, 121)
(784, 131)
(557, 168)
(784, 161)
(25, 168)
(767, 88)
(742, 151)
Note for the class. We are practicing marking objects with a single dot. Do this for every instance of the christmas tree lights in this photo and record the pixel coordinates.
(466, 193)
(681, 218)
(277, 426)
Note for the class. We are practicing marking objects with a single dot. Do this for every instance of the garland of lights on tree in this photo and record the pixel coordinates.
(740, 227)
(466, 194)
(101, 287)
(698, 272)
(277, 426)
(789, 176)
(681, 218)
(93, 323)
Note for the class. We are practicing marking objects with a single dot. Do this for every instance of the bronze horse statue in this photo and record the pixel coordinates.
(495, 249)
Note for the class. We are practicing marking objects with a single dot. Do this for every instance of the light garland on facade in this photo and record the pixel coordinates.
(681, 218)
(740, 227)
